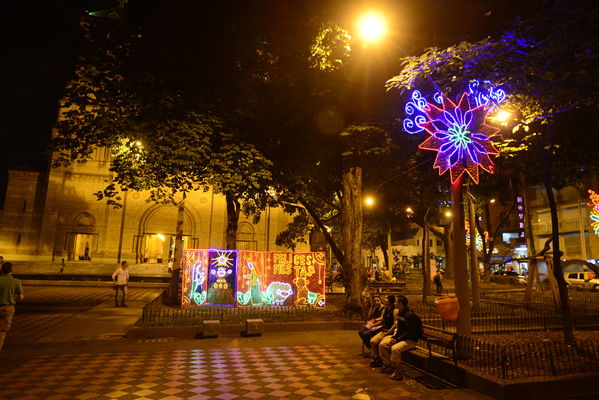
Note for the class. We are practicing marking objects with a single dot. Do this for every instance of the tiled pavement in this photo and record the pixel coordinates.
(56, 356)
(91, 315)
(207, 370)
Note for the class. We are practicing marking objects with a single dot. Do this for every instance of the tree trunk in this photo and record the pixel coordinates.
(460, 259)
(337, 252)
(557, 267)
(426, 264)
(384, 244)
(474, 270)
(533, 269)
(233, 212)
(174, 295)
(351, 236)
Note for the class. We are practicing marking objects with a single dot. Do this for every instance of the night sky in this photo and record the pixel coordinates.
(39, 47)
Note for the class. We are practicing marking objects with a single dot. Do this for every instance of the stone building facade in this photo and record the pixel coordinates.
(51, 216)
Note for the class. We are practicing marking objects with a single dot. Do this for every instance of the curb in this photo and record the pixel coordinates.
(191, 332)
(92, 283)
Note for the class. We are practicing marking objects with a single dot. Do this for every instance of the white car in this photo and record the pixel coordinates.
(582, 280)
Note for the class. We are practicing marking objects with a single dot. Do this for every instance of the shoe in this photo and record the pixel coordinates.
(124, 305)
(366, 355)
(376, 364)
(116, 305)
(386, 369)
(397, 376)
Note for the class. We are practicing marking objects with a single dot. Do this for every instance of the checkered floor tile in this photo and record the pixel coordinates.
(284, 372)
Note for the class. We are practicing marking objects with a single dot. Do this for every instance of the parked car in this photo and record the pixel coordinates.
(504, 276)
(582, 280)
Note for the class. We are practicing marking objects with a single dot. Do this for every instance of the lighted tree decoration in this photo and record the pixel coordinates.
(458, 132)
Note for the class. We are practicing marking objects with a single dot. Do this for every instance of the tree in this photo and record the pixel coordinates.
(547, 65)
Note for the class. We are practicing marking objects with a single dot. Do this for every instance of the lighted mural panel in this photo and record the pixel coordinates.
(194, 282)
(253, 278)
(252, 274)
(309, 277)
(222, 276)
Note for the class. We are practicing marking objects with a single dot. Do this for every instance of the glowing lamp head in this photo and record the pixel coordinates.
(448, 214)
(503, 117)
(369, 201)
(372, 27)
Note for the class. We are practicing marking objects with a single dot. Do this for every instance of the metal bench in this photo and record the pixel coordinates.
(386, 288)
(443, 339)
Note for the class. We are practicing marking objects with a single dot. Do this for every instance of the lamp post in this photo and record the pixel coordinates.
(352, 213)
(459, 133)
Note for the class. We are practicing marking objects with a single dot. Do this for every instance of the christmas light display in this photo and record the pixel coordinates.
(458, 132)
(479, 239)
(222, 276)
(486, 94)
(253, 278)
(594, 211)
(460, 136)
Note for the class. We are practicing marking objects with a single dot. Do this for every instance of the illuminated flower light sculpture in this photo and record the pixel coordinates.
(460, 136)
(594, 211)
(458, 132)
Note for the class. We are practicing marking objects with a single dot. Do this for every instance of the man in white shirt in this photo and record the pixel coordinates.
(120, 277)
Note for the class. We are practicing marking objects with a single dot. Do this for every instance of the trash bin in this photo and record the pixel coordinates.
(448, 307)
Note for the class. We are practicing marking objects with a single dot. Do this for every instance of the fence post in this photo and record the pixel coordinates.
(503, 362)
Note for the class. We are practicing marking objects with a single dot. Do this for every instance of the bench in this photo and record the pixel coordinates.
(386, 288)
(438, 337)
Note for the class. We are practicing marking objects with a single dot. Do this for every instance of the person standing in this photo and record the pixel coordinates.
(11, 290)
(120, 277)
(437, 280)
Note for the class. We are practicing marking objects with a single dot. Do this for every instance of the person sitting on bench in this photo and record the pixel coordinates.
(407, 332)
(387, 329)
(374, 321)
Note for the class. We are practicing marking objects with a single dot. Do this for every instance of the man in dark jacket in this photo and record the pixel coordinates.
(407, 333)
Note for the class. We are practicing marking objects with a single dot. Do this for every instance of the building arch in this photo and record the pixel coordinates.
(81, 237)
(246, 236)
(156, 232)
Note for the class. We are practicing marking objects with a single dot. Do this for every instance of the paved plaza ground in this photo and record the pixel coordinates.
(72, 346)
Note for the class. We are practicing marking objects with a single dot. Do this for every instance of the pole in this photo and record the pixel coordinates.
(474, 270)
(460, 260)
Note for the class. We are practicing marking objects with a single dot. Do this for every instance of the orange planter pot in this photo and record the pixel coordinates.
(448, 307)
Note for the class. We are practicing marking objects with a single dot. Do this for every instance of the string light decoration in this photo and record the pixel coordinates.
(252, 278)
(594, 211)
(457, 131)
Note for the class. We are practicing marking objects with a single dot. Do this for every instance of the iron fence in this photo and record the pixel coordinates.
(162, 316)
(526, 360)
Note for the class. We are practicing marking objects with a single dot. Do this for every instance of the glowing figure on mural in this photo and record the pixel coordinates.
(198, 277)
(221, 268)
(253, 282)
(304, 295)
(277, 292)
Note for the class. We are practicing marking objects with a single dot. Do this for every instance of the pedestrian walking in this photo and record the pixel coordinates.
(120, 278)
(11, 290)
(437, 280)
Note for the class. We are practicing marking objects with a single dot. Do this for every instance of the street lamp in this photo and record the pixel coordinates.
(372, 27)
(369, 201)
